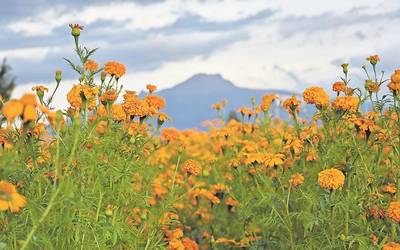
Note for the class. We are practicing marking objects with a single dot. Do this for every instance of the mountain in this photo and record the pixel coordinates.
(190, 102)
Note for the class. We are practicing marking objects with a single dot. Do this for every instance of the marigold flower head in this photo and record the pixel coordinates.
(12, 109)
(316, 95)
(28, 99)
(151, 88)
(136, 107)
(118, 113)
(40, 88)
(292, 105)
(29, 114)
(373, 59)
(91, 66)
(266, 102)
(389, 188)
(331, 179)
(114, 69)
(10, 198)
(391, 246)
(346, 103)
(189, 244)
(170, 134)
(393, 212)
(338, 87)
(192, 167)
(155, 102)
(371, 86)
(109, 96)
(296, 179)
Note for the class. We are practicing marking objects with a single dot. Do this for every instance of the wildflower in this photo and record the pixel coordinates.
(170, 134)
(393, 212)
(109, 97)
(101, 127)
(296, 179)
(10, 198)
(292, 105)
(155, 102)
(151, 88)
(114, 69)
(331, 179)
(266, 102)
(231, 203)
(390, 188)
(29, 114)
(391, 246)
(394, 85)
(189, 244)
(346, 103)
(273, 160)
(28, 99)
(76, 29)
(317, 96)
(91, 66)
(161, 119)
(371, 87)
(12, 109)
(136, 107)
(117, 112)
(192, 167)
(338, 87)
(373, 59)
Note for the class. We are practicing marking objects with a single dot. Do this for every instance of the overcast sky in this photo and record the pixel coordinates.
(255, 43)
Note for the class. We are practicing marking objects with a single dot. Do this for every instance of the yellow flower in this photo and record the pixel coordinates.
(331, 179)
(10, 198)
(346, 103)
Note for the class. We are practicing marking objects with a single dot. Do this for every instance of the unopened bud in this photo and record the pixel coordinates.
(58, 76)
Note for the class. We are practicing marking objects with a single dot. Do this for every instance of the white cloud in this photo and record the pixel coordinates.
(33, 54)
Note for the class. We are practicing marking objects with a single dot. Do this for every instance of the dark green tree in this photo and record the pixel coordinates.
(7, 81)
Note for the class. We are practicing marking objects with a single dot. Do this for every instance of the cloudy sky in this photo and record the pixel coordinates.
(255, 43)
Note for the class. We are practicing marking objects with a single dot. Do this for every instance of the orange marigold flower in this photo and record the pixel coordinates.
(12, 109)
(393, 212)
(114, 69)
(155, 101)
(30, 113)
(91, 66)
(346, 103)
(371, 86)
(118, 113)
(28, 99)
(331, 179)
(40, 88)
(10, 198)
(170, 134)
(338, 87)
(101, 127)
(189, 244)
(390, 188)
(373, 59)
(394, 85)
(296, 179)
(109, 96)
(292, 105)
(192, 167)
(316, 95)
(266, 102)
(74, 97)
(391, 246)
(136, 107)
(151, 88)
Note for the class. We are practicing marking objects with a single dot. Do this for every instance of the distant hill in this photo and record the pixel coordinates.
(189, 103)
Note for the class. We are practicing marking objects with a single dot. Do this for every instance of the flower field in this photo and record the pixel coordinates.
(105, 173)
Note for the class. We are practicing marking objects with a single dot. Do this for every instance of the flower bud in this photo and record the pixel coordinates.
(58, 76)
(75, 29)
(345, 67)
(103, 76)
